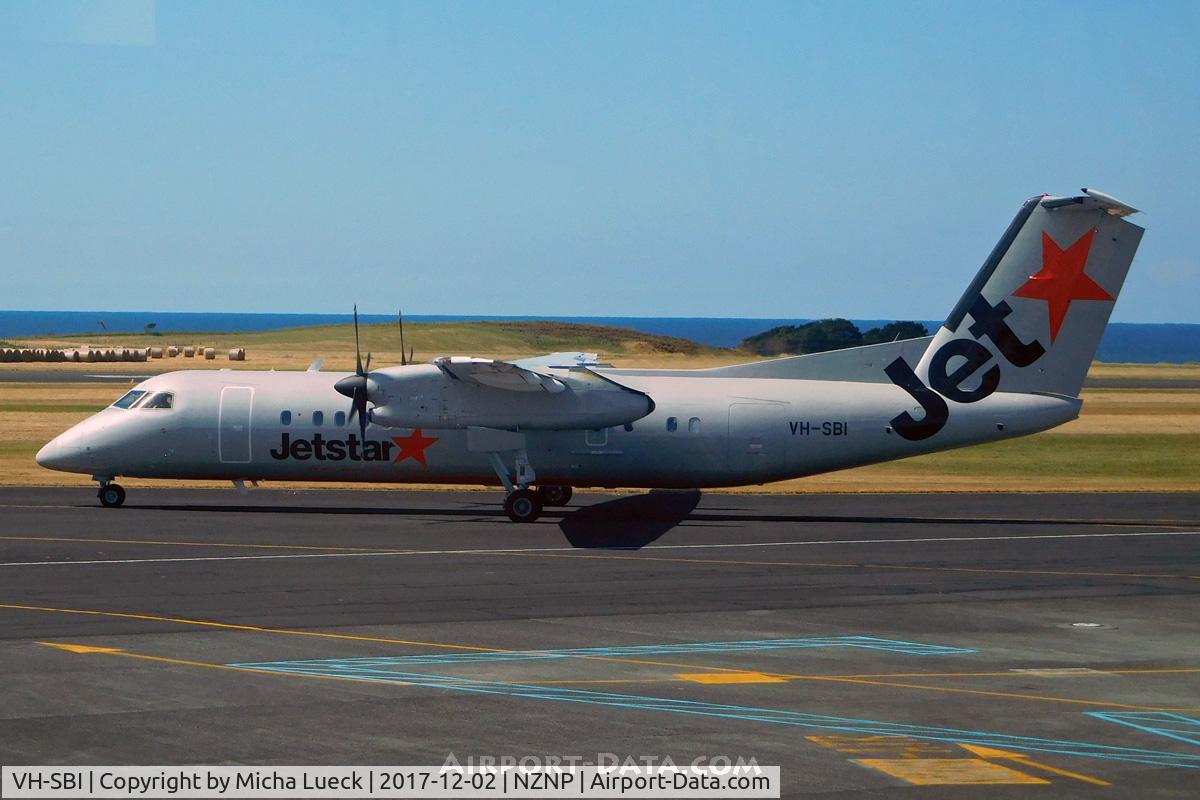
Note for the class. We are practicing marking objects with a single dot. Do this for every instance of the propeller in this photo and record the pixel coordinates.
(355, 386)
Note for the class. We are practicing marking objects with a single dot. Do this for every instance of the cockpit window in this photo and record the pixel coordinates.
(160, 400)
(129, 399)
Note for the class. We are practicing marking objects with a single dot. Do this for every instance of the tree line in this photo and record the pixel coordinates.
(827, 334)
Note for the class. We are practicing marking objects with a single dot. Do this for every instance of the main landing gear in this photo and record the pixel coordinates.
(111, 495)
(554, 495)
(525, 505)
(522, 503)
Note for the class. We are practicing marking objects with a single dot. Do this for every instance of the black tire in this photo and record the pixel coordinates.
(554, 495)
(111, 496)
(522, 505)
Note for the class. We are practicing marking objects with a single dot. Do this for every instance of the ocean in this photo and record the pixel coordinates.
(1123, 341)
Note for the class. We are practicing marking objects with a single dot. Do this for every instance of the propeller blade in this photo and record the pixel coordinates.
(360, 403)
(400, 314)
(355, 386)
(358, 366)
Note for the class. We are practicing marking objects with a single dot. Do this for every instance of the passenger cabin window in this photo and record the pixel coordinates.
(339, 418)
(160, 400)
(596, 438)
(318, 418)
(672, 424)
(694, 425)
(285, 418)
(129, 398)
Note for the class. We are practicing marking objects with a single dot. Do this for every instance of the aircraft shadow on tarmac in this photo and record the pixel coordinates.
(628, 523)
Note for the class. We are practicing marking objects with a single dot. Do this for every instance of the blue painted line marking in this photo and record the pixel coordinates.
(1160, 723)
(680, 648)
(348, 668)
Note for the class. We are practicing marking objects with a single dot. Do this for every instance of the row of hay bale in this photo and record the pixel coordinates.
(77, 356)
(194, 351)
(93, 354)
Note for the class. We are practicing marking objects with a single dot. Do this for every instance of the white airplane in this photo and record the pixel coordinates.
(1009, 361)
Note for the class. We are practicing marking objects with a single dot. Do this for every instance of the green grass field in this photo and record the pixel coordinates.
(19, 450)
(51, 407)
(1135, 456)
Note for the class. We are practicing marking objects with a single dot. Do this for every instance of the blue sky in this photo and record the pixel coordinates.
(655, 158)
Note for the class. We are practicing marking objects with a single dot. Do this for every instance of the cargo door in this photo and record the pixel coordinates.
(757, 446)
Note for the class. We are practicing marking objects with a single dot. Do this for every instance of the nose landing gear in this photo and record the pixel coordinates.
(111, 495)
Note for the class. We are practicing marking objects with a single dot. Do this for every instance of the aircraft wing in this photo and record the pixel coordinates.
(498, 374)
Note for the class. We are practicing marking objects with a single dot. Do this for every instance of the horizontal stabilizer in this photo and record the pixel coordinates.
(853, 364)
(569, 360)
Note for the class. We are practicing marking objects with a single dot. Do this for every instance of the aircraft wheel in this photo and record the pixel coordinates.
(554, 495)
(112, 495)
(522, 505)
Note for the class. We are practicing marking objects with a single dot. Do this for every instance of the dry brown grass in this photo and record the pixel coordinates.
(296, 348)
(1122, 411)
(1177, 372)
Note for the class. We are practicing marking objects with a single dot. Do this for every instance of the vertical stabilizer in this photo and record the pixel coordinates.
(1032, 319)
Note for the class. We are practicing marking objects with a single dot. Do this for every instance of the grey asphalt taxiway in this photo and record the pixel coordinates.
(977, 645)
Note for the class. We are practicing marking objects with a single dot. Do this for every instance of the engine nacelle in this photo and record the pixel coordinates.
(424, 396)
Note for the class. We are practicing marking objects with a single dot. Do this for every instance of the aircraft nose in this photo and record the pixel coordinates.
(63, 453)
(48, 455)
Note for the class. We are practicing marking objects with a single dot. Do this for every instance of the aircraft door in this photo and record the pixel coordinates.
(757, 445)
(233, 442)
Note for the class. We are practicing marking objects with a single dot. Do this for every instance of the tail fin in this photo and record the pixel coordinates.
(1040, 303)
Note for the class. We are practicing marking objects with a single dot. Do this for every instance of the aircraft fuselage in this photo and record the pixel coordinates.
(702, 432)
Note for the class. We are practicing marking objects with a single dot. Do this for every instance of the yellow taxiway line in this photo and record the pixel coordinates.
(991, 753)
(84, 649)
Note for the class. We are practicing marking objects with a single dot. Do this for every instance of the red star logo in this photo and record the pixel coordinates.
(1062, 279)
(413, 446)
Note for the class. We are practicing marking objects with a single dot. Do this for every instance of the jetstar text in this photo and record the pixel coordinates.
(351, 448)
(945, 383)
